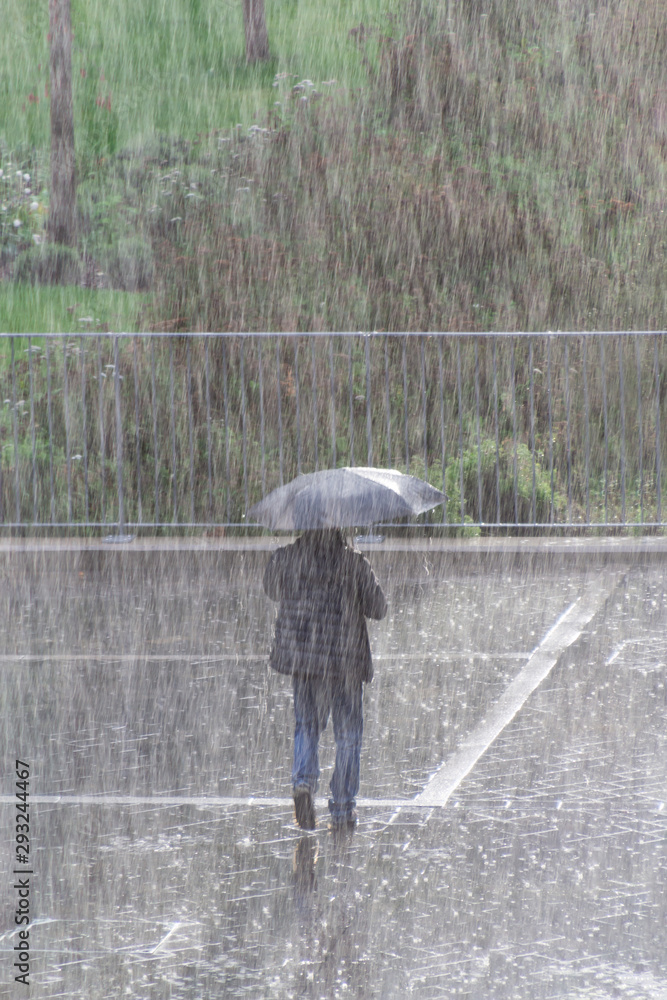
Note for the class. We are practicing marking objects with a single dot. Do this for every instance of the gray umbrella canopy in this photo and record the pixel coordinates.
(345, 498)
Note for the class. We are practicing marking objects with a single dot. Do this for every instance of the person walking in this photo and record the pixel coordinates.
(325, 590)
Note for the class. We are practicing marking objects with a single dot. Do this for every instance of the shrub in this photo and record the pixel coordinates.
(129, 265)
(49, 264)
(515, 485)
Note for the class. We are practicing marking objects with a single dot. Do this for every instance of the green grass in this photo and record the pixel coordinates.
(65, 308)
(478, 166)
(171, 66)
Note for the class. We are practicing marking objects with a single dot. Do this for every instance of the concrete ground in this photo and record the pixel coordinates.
(512, 839)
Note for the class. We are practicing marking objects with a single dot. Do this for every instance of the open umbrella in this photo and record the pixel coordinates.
(343, 498)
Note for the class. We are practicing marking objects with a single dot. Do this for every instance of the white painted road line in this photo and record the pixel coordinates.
(562, 634)
(450, 774)
(199, 801)
(139, 657)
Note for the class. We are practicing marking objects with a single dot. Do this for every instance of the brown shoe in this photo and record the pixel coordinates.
(304, 808)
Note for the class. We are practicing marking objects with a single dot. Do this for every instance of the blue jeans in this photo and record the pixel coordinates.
(315, 698)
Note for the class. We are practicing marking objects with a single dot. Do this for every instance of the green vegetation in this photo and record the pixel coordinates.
(496, 165)
(480, 183)
(62, 308)
(175, 67)
(529, 438)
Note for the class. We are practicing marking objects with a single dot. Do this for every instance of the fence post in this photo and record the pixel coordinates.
(100, 385)
(495, 418)
(405, 404)
(621, 389)
(533, 506)
(32, 435)
(351, 395)
(587, 444)
(442, 430)
(369, 425)
(606, 435)
(641, 431)
(480, 517)
(386, 396)
(333, 409)
(52, 507)
(424, 403)
(17, 479)
(119, 441)
(208, 436)
(136, 430)
(244, 427)
(190, 435)
(460, 402)
(174, 475)
(67, 442)
(658, 443)
(85, 432)
(156, 514)
(314, 367)
(261, 417)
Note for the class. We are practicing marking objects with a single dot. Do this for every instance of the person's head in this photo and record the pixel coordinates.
(324, 538)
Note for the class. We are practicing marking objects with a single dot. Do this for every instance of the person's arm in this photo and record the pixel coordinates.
(273, 577)
(373, 601)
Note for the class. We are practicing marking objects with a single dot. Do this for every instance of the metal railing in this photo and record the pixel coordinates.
(148, 431)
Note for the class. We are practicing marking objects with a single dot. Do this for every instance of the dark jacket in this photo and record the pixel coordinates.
(325, 590)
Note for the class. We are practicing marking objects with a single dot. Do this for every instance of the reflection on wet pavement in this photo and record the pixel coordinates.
(544, 876)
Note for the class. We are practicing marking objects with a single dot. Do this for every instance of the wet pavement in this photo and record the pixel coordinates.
(543, 875)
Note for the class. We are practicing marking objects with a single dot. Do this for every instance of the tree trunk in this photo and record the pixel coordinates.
(62, 214)
(256, 35)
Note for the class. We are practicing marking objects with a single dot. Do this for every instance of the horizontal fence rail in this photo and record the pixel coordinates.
(148, 431)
